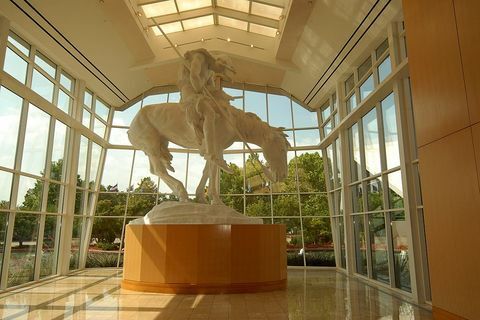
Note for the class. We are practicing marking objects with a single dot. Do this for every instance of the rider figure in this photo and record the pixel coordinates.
(196, 75)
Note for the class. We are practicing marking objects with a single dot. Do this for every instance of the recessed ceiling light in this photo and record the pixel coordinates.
(176, 45)
(251, 46)
(202, 40)
(277, 33)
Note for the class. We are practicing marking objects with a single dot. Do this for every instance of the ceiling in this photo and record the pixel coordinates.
(117, 48)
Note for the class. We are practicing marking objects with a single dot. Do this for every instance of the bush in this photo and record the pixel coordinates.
(313, 258)
(101, 259)
(107, 246)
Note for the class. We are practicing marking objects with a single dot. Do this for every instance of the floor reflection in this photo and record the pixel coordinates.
(311, 294)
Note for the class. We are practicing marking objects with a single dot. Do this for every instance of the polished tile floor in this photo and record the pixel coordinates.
(312, 294)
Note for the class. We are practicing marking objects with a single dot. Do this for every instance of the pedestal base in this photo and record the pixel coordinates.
(204, 258)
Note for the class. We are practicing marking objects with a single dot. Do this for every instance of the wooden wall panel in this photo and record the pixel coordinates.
(451, 198)
(153, 262)
(214, 238)
(468, 25)
(438, 88)
(476, 146)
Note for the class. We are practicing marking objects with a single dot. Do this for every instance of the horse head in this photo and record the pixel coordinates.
(275, 149)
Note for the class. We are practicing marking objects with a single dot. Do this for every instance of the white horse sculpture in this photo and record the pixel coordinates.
(155, 125)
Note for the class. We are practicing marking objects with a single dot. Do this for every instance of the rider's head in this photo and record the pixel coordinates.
(224, 67)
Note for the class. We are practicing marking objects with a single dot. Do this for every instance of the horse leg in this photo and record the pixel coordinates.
(177, 187)
(213, 186)
(200, 191)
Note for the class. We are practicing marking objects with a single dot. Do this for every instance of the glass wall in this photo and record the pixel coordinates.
(366, 177)
(36, 163)
(33, 159)
(300, 202)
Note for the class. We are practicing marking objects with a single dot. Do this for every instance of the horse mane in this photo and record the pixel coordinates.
(248, 123)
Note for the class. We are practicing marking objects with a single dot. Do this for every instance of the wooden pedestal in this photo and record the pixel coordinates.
(204, 258)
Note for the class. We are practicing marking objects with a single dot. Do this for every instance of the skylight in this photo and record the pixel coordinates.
(266, 31)
(232, 23)
(237, 5)
(266, 10)
(237, 14)
(198, 22)
(159, 8)
(168, 28)
(185, 5)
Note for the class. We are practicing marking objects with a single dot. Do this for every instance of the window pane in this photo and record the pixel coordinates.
(24, 246)
(237, 103)
(94, 163)
(357, 198)
(53, 199)
(174, 97)
(395, 190)
(374, 195)
(349, 84)
(390, 131)
(118, 164)
(43, 62)
(310, 172)
(371, 144)
(384, 69)
(98, 127)
(29, 194)
(401, 250)
(105, 242)
(351, 103)
(19, 43)
(314, 205)
(354, 144)
(196, 163)
(379, 248)
(326, 111)
(329, 152)
(360, 244)
(307, 137)
(3, 233)
(318, 240)
(64, 101)
(258, 206)
(42, 86)
(286, 205)
(119, 136)
(5, 189)
(154, 99)
(179, 163)
(364, 68)
(327, 128)
(66, 81)
(58, 151)
(366, 88)
(36, 139)
(79, 202)
(341, 233)
(76, 241)
(234, 202)
(101, 109)
(111, 204)
(82, 162)
(381, 48)
(232, 183)
(256, 102)
(50, 246)
(10, 110)
(303, 118)
(140, 204)
(142, 179)
(15, 66)
(88, 99)
(293, 240)
(279, 111)
(86, 118)
(123, 118)
(338, 162)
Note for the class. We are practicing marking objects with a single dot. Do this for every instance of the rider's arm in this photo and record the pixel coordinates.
(197, 78)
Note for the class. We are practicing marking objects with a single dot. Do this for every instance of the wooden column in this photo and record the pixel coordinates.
(443, 41)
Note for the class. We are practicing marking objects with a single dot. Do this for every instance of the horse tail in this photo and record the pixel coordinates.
(145, 136)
